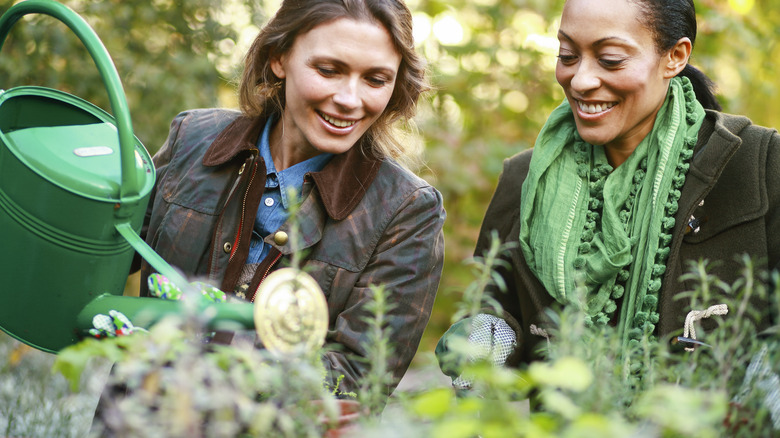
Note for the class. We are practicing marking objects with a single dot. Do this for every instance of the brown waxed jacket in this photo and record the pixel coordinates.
(363, 222)
(732, 188)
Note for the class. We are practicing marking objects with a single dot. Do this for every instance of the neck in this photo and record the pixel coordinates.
(617, 152)
(285, 150)
(617, 156)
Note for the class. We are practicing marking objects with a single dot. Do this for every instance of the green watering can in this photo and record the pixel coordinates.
(74, 187)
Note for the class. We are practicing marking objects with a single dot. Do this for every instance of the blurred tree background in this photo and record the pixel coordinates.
(491, 61)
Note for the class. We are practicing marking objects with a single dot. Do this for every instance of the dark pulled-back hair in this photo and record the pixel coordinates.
(261, 92)
(669, 21)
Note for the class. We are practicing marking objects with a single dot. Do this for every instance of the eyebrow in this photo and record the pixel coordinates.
(600, 41)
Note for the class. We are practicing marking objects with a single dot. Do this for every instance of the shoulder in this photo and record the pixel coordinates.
(520, 159)
(401, 179)
(507, 194)
(398, 188)
(204, 122)
(731, 127)
(504, 207)
(732, 142)
(516, 167)
(192, 132)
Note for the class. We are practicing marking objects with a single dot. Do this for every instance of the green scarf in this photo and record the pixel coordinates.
(594, 235)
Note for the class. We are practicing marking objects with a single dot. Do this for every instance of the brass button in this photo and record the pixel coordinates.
(280, 238)
(227, 247)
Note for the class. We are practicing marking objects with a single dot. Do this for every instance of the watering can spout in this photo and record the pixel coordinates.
(154, 259)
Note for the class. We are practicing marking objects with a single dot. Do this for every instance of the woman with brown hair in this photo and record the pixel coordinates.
(325, 85)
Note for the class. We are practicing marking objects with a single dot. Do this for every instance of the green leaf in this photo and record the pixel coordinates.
(433, 404)
(591, 425)
(558, 402)
(457, 428)
(684, 411)
(72, 361)
(565, 373)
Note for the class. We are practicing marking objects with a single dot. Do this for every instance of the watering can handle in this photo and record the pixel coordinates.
(130, 187)
(130, 182)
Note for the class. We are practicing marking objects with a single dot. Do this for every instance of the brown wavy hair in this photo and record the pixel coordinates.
(261, 92)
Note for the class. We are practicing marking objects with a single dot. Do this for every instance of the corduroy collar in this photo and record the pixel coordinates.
(342, 183)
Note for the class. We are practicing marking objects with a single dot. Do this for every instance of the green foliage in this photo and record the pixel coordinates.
(493, 91)
(590, 386)
(169, 382)
(373, 394)
(493, 88)
(73, 362)
(587, 386)
(474, 299)
(170, 55)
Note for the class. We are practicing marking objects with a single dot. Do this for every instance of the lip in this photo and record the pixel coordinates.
(331, 127)
(601, 108)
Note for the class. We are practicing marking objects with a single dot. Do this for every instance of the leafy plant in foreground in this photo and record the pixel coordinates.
(170, 383)
(726, 387)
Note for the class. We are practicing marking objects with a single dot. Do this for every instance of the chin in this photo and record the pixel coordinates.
(598, 142)
(334, 148)
(593, 139)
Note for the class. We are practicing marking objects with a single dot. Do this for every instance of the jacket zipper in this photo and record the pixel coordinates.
(265, 274)
(218, 227)
(243, 213)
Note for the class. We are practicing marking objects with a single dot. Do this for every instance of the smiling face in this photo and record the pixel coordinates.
(612, 74)
(339, 77)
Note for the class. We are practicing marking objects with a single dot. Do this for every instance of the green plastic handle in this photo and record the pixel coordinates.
(116, 95)
(145, 312)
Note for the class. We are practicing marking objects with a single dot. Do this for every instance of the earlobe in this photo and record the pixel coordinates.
(677, 57)
(277, 67)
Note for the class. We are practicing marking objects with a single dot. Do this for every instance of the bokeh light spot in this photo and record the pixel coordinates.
(742, 7)
(515, 101)
(422, 27)
(448, 30)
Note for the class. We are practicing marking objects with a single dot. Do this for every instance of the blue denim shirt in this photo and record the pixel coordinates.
(274, 207)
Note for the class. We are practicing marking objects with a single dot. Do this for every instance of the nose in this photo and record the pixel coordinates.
(585, 77)
(346, 95)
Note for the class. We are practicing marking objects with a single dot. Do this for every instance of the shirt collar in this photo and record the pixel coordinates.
(265, 147)
(341, 183)
(292, 177)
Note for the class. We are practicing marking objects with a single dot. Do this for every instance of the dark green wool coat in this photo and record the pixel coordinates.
(733, 191)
